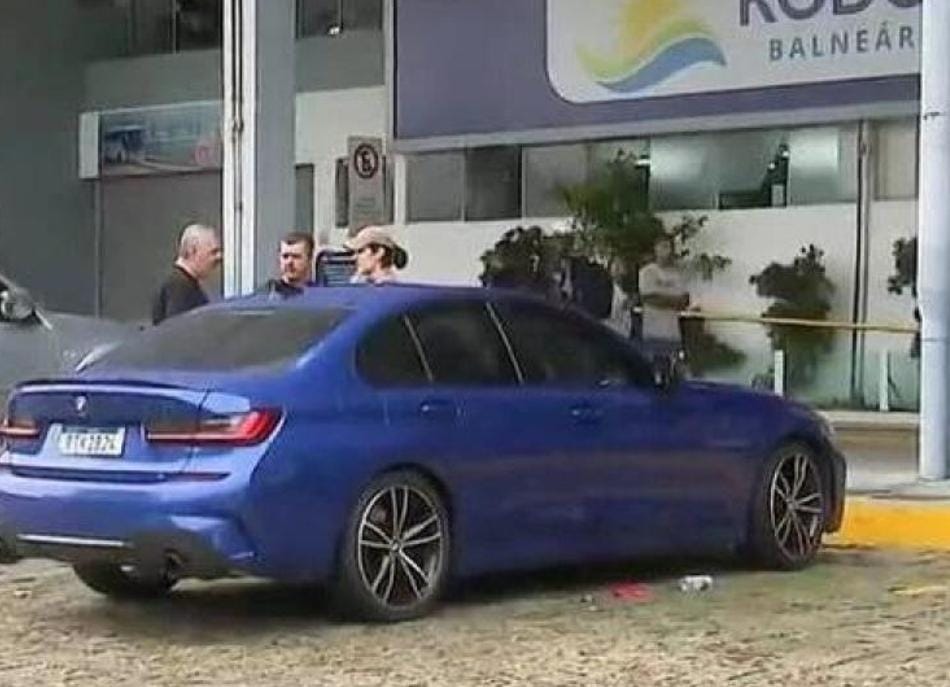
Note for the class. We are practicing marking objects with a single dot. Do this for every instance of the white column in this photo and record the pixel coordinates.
(778, 373)
(400, 190)
(324, 199)
(259, 88)
(933, 283)
(884, 381)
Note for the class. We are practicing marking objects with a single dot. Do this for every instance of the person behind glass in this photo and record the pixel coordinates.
(378, 256)
(296, 266)
(663, 293)
(199, 253)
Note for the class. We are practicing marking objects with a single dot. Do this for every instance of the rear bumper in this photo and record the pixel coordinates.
(201, 548)
(138, 525)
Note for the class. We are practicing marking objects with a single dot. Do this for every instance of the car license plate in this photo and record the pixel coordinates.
(91, 441)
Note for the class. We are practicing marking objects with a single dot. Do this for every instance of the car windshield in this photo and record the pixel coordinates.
(225, 339)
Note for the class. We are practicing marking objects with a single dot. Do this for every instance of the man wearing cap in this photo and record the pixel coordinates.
(378, 256)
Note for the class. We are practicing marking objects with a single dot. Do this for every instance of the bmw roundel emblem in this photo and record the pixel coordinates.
(80, 403)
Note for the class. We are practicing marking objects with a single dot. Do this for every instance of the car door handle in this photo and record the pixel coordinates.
(437, 410)
(586, 414)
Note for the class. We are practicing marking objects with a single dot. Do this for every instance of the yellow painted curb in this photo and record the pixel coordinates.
(884, 523)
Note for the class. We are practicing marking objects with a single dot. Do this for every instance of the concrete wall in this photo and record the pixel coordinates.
(351, 60)
(890, 221)
(753, 239)
(46, 213)
(324, 121)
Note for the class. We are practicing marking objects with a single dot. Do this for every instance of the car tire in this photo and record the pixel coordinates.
(394, 555)
(118, 583)
(788, 509)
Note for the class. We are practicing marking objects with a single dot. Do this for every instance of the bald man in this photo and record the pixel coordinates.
(199, 253)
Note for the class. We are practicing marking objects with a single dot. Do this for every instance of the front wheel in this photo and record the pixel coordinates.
(122, 582)
(788, 512)
(394, 556)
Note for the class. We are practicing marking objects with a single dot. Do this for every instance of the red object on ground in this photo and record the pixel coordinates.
(631, 591)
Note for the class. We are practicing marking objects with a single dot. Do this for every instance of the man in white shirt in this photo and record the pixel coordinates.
(664, 295)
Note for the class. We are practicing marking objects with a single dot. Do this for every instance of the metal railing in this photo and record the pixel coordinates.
(882, 375)
(794, 322)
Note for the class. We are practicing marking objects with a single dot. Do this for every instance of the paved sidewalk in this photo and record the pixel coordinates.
(843, 420)
(887, 505)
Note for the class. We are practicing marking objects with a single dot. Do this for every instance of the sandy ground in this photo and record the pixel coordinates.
(855, 618)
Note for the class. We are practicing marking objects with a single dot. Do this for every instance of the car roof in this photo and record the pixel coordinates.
(385, 297)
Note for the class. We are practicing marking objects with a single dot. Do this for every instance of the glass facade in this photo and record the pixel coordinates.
(153, 27)
(710, 171)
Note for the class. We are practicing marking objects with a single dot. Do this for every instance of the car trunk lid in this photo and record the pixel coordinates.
(99, 428)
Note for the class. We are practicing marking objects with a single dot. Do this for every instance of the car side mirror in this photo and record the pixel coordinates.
(667, 371)
(16, 305)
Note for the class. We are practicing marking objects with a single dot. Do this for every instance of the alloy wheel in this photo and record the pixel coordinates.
(796, 506)
(400, 546)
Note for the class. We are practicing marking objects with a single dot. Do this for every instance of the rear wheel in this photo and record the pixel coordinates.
(788, 517)
(123, 582)
(394, 556)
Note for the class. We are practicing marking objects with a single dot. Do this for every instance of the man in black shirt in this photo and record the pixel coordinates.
(199, 253)
(296, 266)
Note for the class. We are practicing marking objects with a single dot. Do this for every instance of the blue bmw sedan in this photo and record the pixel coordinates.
(384, 440)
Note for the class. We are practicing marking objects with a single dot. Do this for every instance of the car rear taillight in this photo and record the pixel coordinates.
(244, 429)
(18, 428)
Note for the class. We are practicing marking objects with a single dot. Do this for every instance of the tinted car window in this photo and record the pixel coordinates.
(559, 348)
(388, 356)
(462, 346)
(225, 339)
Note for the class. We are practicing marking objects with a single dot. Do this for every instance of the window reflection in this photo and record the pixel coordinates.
(198, 24)
(434, 186)
(766, 168)
(332, 17)
(493, 183)
(895, 145)
(164, 26)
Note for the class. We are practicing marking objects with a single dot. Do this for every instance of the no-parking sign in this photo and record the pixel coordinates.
(366, 165)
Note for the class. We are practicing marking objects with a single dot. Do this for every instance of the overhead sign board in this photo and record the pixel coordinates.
(604, 50)
(559, 69)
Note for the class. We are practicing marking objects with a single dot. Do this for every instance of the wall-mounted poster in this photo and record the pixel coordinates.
(161, 140)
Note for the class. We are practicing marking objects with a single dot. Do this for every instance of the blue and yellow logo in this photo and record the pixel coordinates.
(657, 39)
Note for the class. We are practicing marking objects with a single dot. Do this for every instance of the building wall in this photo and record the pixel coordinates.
(46, 212)
(324, 121)
(755, 238)
(890, 221)
(353, 59)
